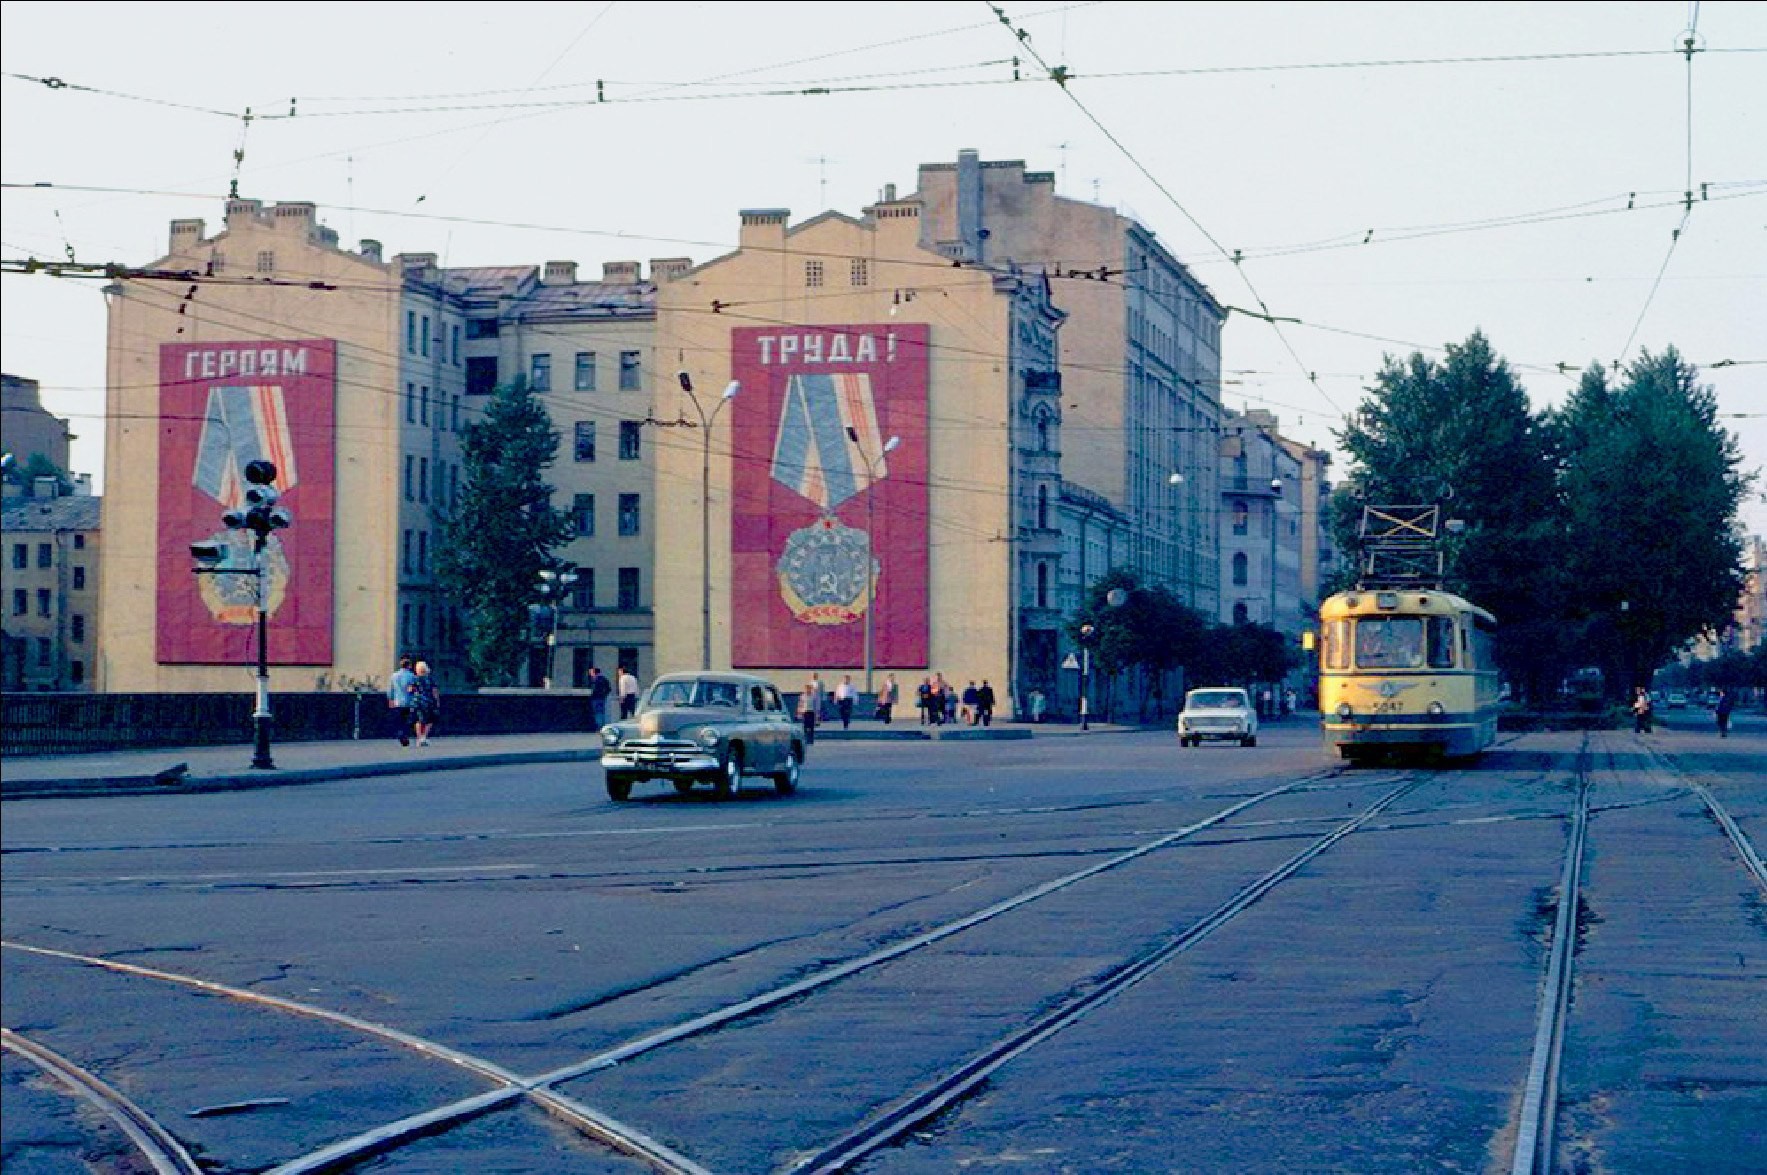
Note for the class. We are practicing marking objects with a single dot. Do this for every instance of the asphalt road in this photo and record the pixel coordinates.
(1374, 1011)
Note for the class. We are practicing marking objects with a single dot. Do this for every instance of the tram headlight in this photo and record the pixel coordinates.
(1437, 710)
(1344, 711)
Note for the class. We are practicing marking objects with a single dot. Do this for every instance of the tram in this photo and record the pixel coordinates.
(1406, 671)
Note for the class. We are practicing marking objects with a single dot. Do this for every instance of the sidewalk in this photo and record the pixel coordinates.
(228, 768)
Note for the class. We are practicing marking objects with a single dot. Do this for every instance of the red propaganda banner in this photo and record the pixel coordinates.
(222, 406)
(829, 517)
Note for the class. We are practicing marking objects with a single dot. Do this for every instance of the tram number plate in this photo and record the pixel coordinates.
(1387, 707)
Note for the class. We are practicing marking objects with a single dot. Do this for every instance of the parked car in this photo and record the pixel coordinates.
(1219, 712)
(711, 728)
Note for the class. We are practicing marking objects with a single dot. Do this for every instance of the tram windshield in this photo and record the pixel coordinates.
(1404, 642)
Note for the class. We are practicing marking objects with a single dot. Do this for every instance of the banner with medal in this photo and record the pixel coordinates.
(222, 406)
(827, 523)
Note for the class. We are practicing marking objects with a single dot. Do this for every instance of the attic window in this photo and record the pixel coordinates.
(812, 274)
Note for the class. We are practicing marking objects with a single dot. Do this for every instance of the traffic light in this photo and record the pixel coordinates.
(259, 514)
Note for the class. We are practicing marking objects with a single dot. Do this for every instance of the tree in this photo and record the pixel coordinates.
(1652, 485)
(503, 532)
(1460, 433)
(1146, 629)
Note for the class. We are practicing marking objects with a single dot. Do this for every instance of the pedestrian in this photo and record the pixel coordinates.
(1288, 700)
(1726, 703)
(844, 696)
(936, 701)
(599, 688)
(426, 703)
(628, 692)
(1641, 711)
(923, 700)
(1264, 703)
(399, 700)
(810, 707)
(886, 699)
(985, 703)
(1038, 703)
(969, 705)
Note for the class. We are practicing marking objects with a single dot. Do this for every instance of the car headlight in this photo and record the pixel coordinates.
(1344, 711)
(610, 736)
(709, 737)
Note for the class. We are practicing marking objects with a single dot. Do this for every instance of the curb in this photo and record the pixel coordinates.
(160, 785)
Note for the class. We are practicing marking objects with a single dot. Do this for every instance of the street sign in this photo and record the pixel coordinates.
(1072, 662)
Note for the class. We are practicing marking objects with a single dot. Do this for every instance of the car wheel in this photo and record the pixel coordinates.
(786, 782)
(731, 778)
(683, 785)
(619, 788)
(1250, 740)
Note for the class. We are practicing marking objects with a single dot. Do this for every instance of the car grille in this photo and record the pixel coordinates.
(1215, 723)
(662, 752)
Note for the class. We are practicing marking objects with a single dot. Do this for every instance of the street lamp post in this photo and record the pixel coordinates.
(705, 507)
(1087, 632)
(1275, 488)
(872, 465)
(554, 586)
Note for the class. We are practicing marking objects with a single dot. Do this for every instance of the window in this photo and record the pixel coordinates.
(423, 405)
(629, 432)
(1334, 651)
(423, 479)
(454, 413)
(580, 658)
(585, 377)
(79, 579)
(583, 594)
(45, 602)
(45, 555)
(410, 478)
(1389, 642)
(1240, 614)
(21, 555)
(454, 344)
(812, 274)
(76, 671)
(1042, 585)
(79, 542)
(45, 652)
(583, 515)
(1242, 523)
(481, 375)
(422, 554)
(859, 271)
(583, 438)
(629, 519)
(423, 339)
(1042, 512)
(1441, 642)
(481, 328)
(410, 403)
(77, 629)
(629, 658)
(410, 332)
(21, 601)
(266, 261)
(540, 372)
(628, 598)
(631, 375)
(405, 553)
(1241, 569)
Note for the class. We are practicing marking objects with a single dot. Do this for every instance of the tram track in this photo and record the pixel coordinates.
(509, 1088)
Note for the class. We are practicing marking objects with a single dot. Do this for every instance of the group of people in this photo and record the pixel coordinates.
(1644, 711)
(414, 701)
(600, 688)
(940, 702)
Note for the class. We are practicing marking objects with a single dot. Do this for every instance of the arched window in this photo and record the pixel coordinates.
(1043, 434)
(1240, 568)
(1042, 508)
(1042, 585)
(1240, 615)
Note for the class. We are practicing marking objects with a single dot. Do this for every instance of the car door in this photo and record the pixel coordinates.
(762, 720)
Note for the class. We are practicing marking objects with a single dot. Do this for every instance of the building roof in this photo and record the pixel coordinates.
(75, 512)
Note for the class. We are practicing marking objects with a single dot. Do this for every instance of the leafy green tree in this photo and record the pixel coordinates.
(1459, 432)
(1244, 654)
(1652, 485)
(504, 530)
(1138, 627)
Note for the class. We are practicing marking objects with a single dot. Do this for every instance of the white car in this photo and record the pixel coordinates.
(1219, 712)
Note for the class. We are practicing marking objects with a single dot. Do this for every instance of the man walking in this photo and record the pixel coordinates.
(599, 688)
(628, 692)
(985, 703)
(886, 699)
(810, 707)
(1726, 703)
(399, 700)
(844, 696)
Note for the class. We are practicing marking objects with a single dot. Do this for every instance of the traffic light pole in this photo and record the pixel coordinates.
(261, 760)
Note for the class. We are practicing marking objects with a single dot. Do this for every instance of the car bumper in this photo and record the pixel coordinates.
(628, 763)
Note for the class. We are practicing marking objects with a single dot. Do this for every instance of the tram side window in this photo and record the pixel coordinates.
(1389, 642)
(1484, 639)
(1441, 642)
(1336, 641)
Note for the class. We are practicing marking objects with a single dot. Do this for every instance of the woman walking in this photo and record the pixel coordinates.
(426, 703)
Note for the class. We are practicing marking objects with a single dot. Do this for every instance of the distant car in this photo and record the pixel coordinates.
(1218, 713)
(711, 728)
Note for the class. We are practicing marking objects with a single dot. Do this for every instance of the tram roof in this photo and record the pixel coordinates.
(1399, 602)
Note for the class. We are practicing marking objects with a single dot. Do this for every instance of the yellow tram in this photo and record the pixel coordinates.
(1406, 671)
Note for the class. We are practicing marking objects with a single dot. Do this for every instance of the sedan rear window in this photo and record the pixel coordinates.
(1221, 699)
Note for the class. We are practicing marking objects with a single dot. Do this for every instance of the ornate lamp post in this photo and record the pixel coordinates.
(706, 420)
(554, 586)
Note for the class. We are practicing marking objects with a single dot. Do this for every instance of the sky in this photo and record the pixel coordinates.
(1392, 176)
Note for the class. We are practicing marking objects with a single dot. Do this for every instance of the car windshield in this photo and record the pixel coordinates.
(693, 693)
(1216, 699)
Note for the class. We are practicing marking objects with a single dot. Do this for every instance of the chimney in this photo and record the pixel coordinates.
(621, 273)
(186, 235)
(664, 269)
(559, 273)
(764, 228)
(417, 266)
(969, 204)
(298, 216)
(242, 212)
(370, 249)
(45, 487)
(889, 193)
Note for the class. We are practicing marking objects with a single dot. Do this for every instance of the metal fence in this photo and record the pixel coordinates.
(64, 724)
